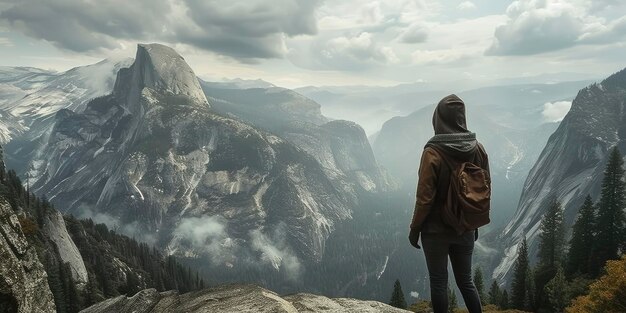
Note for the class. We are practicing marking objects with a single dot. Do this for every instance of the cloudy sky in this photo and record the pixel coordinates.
(334, 42)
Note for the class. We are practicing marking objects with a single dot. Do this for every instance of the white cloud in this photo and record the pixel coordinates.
(438, 57)
(353, 52)
(416, 33)
(466, 5)
(206, 235)
(415, 294)
(371, 13)
(275, 252)
(5, 42)
(537, 26)
(555, 111)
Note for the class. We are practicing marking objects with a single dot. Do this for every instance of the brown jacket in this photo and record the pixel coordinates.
(426, 217)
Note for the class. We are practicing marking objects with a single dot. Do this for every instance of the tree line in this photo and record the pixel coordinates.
(564, 270)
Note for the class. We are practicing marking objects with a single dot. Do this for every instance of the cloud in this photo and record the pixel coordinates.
(275, 252)
(5, 42)
(207, 235)
(352, 52)
(555, 111)
(371, 13)
(240, 29)
(538, 26)
(416, 33)
(438, 57)
(415, 294)
(86, 25)
(132, 230)
(466, 5)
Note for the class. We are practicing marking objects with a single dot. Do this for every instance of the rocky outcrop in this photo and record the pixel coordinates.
(54, 228)
(23, 280)
(235, 299)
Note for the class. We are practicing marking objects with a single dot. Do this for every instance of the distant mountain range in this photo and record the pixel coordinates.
(371, 107)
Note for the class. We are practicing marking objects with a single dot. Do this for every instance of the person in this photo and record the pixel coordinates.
(453, 144)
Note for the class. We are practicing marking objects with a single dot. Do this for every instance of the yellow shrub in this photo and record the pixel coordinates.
(607, 294)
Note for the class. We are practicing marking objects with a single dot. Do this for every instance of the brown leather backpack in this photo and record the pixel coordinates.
(467, 202)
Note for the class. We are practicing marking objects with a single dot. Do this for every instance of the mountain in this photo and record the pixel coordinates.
(341, 147)
(37, 95)
(30, 98)
(571, 164)
(84, 263)
(372, 106)
(235, 298)
(158, 161)
(269, 108)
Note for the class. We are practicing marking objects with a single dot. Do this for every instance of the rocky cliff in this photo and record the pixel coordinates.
(235, 298)
(572, 163)
(23, 279)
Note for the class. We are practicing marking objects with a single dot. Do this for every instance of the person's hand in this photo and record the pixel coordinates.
(414, 236)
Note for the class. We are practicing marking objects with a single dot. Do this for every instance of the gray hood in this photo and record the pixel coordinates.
(451, 133)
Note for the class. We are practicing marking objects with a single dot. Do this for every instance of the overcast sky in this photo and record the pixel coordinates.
(313, 42)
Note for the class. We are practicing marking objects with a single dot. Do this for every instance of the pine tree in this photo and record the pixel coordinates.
(452, 302)
(551, 250)
(556, 291)
(494, 294)
(551, 238)
(2, 167)
(610, 220)
(518, 288)
(480, 285)
(397, 296)
(529, 300)
(56, 284)
(504, 300)
(582, 240)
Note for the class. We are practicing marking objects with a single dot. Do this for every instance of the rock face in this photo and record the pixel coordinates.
(23, 280)
(572, 163)
(157, 161)
(54, 228)
(341, 147)
(30, 99)
(234, 298)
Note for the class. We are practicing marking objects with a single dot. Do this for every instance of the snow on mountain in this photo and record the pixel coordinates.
(572, 163)
(33, 96)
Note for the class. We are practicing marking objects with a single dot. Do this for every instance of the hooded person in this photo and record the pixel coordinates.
(451, 145)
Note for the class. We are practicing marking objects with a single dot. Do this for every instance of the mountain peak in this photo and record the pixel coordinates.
(161, 68)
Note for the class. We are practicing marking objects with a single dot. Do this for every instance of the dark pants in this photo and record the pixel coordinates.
(437, 248)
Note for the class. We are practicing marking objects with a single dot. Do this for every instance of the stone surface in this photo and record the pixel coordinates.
(234, 298)
(55, 229)
(23, 280)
